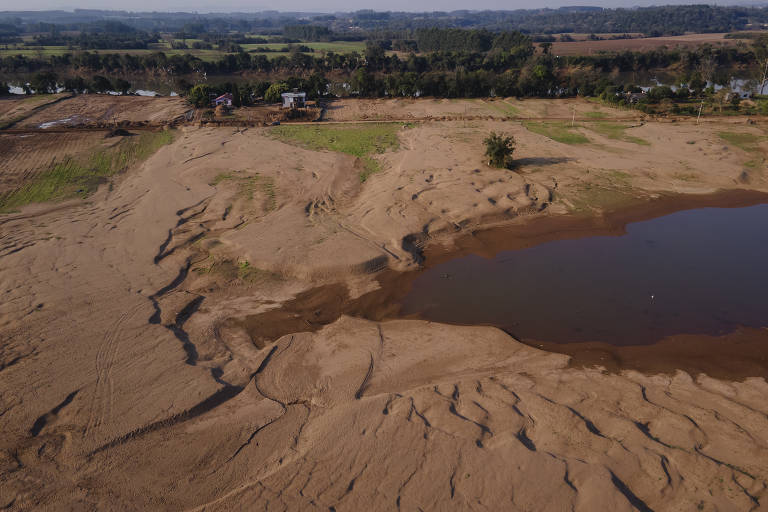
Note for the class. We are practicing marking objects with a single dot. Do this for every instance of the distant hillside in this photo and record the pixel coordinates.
(665, 20)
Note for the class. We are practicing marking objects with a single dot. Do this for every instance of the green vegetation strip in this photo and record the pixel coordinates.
(361, 140)
(78, 177)
(504, 107)
(330, 46)
(559, 131)
(206, 55)
(211, 55)
(241, 271)
(746, 141)
(615, 131)
(597, 197)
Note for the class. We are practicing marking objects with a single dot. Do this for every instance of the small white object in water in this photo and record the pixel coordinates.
(651, 297)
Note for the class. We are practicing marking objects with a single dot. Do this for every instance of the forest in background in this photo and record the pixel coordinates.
(663, 20)
(399, 54)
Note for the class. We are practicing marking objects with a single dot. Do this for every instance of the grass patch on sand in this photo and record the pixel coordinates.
(596, 115)
(504, 107)
(250, 274)
(683, 176)
(223, 176)
(235, 271)
(79, 177)
(615, 131)
(745, 141)
(248, 185)
(559, 131)
(361, 140)
(619, 177)
(755, 164)
(748, 142)
(596, 197)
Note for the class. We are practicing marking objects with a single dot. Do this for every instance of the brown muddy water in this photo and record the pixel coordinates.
(700, 271)
(650, 287)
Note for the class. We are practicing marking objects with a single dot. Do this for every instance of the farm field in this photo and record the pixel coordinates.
(497, 108)
(36, 51)
(587, 47)
(330, 46)
(207, 55)
(24, 157)
(580, 46)
(40, 167)
(12, 110)
(224, 302)
(104, 109)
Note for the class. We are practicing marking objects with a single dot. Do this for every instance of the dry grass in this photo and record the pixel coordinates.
(248, 185)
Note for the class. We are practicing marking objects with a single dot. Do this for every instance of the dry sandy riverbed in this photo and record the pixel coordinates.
(139, 366)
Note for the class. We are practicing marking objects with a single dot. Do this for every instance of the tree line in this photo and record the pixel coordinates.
(658, 20)
(48, 82)
(509, 68)
(101, 41)
(375, 60)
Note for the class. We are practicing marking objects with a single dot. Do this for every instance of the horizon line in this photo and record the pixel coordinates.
(755, 5)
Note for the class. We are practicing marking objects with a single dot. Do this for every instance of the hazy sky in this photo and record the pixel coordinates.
(325, 5)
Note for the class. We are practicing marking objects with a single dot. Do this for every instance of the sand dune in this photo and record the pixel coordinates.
(131, 378)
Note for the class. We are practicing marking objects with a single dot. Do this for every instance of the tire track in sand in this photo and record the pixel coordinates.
(102, 399)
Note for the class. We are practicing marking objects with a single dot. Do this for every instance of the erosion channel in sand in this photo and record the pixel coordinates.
(208, 318)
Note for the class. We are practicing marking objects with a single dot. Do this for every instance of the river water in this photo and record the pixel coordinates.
(697, 271)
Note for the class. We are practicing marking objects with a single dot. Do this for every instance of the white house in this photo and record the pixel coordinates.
(294, 99)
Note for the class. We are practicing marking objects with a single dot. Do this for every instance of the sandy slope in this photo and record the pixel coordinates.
(127, 379)
(415, 415)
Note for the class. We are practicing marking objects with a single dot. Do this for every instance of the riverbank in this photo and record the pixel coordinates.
(718, 356)
(197, 312)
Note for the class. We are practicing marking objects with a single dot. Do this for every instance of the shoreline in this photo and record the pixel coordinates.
(733, 356)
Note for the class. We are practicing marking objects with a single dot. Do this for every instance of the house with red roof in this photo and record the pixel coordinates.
(224, 99)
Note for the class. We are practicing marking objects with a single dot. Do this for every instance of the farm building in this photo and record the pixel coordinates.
(224, 99)
(294, 99)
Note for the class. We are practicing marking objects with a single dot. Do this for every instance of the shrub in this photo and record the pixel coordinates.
(272, 94)
(200, 95)
(498, 149)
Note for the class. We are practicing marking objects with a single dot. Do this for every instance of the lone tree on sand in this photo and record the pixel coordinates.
(498, 149)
